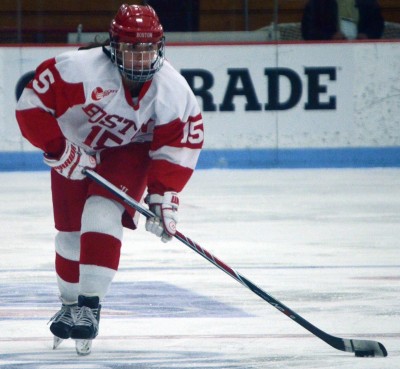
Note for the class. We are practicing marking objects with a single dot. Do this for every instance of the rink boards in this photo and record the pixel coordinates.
(264, 105)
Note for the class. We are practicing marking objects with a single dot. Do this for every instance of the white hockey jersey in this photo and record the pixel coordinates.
(80, 96)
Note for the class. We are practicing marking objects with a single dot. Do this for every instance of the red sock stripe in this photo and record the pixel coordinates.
(67, 270)
(100, 249)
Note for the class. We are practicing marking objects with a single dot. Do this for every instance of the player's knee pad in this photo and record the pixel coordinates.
(102, 215)
(68, 245)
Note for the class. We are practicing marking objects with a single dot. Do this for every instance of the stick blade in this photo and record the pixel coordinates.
(366, 348)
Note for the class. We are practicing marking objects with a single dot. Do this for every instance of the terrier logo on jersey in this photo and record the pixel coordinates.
(98, 93)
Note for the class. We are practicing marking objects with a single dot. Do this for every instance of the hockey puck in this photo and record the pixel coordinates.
(364, 353)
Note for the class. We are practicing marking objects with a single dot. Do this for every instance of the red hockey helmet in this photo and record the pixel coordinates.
(135, 29)
(136, 23)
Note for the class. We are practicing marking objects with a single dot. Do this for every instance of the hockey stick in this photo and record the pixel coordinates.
(359, 347)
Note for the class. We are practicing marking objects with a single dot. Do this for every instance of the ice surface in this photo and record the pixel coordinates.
(323, 242)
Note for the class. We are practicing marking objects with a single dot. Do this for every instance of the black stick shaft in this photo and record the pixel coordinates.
(338, 343)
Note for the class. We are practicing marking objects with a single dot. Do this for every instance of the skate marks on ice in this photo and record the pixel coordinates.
(278, 352)
(120, 359)
(125, 300)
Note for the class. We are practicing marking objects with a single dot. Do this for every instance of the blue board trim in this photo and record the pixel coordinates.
(301, 158)
(251, 159)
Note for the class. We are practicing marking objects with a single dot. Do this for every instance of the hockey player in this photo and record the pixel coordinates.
(122, 109)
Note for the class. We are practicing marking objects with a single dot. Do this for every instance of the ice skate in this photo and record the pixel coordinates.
(57, 342)
(83, 347)
(87, 319)
(62, 323)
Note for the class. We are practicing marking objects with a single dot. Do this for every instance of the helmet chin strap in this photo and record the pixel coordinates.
(108, 53)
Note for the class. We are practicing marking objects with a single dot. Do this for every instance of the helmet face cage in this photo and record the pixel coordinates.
(138, 62)
(137, 42)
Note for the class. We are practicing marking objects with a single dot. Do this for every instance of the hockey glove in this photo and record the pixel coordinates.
(71, 162)
(165, 208)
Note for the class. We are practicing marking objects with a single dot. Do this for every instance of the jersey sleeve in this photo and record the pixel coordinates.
(44, 99)
(177, 141)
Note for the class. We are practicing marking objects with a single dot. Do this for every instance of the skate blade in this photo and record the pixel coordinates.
(83, 347)
(56, 342)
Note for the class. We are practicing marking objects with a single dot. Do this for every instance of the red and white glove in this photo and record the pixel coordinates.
(166, 210)
(71, 162)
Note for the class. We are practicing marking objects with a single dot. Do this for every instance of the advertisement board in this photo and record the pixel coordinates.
(263, 99)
